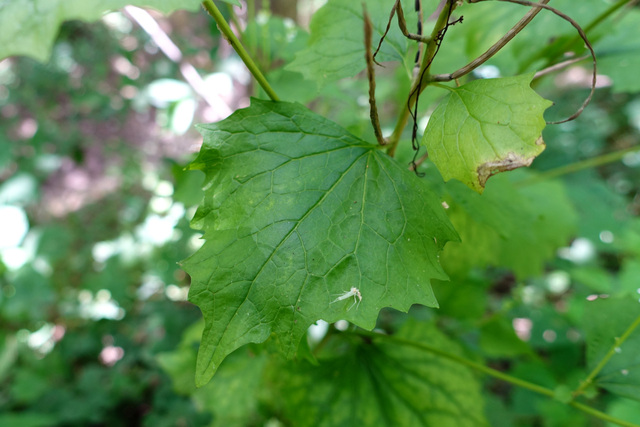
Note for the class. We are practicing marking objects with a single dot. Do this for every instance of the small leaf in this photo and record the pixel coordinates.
(29, 27)
(296, 212)
(605, 322)
(385, 384)
(485, 127)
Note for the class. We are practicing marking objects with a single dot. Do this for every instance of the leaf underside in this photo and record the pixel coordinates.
(485, 127)
(297, 212)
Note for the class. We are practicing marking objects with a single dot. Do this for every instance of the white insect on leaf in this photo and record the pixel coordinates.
(353, 292)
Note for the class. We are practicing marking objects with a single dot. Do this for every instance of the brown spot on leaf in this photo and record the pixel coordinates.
(510, 162)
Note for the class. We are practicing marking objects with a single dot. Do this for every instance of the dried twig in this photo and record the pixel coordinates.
(416, 163)
(559, 66)
(397, 8)
(371, 75)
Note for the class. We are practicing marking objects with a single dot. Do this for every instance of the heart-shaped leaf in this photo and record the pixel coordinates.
(485, 127)
(296, 213)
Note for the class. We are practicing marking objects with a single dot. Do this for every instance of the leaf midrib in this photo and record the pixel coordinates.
(284, 239)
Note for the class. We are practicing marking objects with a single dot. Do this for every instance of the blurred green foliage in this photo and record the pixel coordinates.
(94, 327)
(94, 292)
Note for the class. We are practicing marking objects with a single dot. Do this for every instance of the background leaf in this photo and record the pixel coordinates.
(619, 53)
(385, 384)
(516, 228)
(605, 320)
(29, 27)
(336, 46)
(296, 212)
(232, 397)
(485, 127)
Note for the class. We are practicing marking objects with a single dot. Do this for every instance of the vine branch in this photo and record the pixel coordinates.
(371, 75)
(559, 66)
(497, 46)
(402, 23)
(593, 24)
(586, 42)
(417, 86)
(578, 166)
(618, 342)
(237, 46)
(512, 33)
(495, 373)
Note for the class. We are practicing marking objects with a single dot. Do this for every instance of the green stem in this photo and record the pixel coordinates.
(461, 360)
(417, 86)
(599, 414)
(597, 21)
(496, 374)
(394, 138)
(442, 86)
(578, 166)
(618, 342)
(604, 15)
(237, 46)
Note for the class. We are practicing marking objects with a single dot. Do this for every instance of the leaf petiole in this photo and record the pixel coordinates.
(443, 86)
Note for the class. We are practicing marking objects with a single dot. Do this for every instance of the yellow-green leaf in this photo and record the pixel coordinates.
(485, 127)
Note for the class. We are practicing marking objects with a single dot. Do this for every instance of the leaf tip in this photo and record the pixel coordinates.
(203, 376)
(202, 380)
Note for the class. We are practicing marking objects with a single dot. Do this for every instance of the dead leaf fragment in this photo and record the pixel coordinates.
(510, 162)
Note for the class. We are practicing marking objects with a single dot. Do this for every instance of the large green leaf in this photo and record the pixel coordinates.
(336, 46)
(385, 384)
(296, 212)
(485, 127)
(605, 321)
(29, 27)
